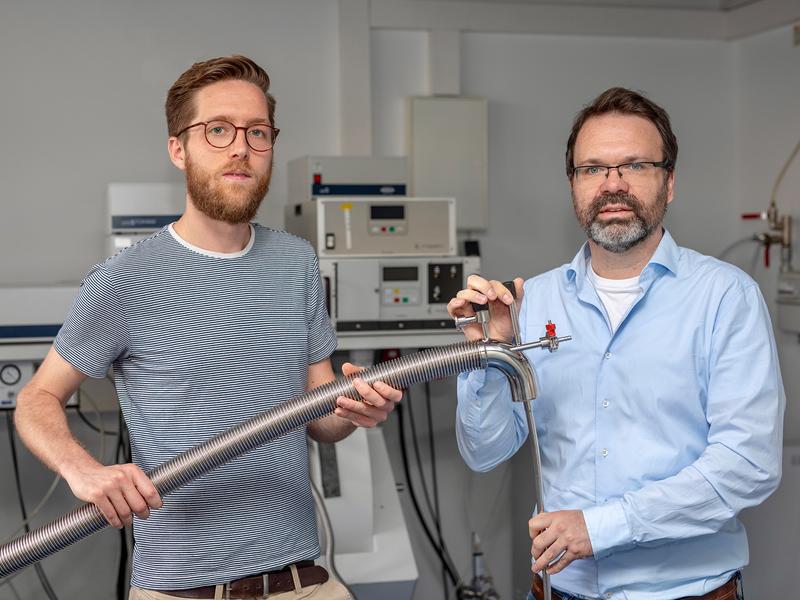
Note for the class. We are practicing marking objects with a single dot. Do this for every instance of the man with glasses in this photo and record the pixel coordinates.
(662, 419)
(207, 323)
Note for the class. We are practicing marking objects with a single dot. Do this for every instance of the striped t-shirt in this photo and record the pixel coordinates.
(200, 342)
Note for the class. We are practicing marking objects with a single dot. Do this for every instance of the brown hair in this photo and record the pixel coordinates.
(626, 102)
(180, 98)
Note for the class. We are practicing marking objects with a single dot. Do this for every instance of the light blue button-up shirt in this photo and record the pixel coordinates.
(660, 431)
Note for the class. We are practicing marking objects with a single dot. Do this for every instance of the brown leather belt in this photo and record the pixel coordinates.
(247, 587)
(726, 591)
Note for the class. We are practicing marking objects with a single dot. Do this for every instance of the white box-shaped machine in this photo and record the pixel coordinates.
(370, 226)
(448, 154)
(315, 176)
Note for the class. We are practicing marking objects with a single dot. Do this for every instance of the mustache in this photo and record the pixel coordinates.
(623, 199)
(237, 165)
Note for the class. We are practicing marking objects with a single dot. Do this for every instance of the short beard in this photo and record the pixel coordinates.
(620, 235)
(229, 205)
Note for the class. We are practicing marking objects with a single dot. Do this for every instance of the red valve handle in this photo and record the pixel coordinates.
(550, 328)
(760, 215)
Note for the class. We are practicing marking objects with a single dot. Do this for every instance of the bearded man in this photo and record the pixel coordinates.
(663, 418)
(207, 323)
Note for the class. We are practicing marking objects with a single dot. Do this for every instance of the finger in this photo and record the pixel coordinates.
(502, 292)
(476, 282)
(542, 542)
(552, 553)
(105, 507)
(388, 392)
(473, 296)
(538, 523)
(350, 369)
(356, 418)
(123, 511)
(134, 500)
(455, 308)
(561, 563)
(352, 409)
(146, 488)
(368, 393)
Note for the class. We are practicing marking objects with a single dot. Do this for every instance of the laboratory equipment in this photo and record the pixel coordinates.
(30, 318)
(359, 226)
(392, 301)
(319, 176)
(137, 210)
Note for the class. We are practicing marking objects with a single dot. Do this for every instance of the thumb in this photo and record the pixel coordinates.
(350, 369)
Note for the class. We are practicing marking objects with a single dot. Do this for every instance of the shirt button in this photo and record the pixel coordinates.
(604, 452)
(605, 403)
(609, 595)
(608, 355)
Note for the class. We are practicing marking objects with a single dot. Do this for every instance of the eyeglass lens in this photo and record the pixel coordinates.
(221, 134)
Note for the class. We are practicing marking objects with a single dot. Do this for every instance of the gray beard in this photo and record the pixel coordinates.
(619, 236)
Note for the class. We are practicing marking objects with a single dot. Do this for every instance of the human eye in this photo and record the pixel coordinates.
(218, 129)
(636, 167)
(590, 171)
(258, 132)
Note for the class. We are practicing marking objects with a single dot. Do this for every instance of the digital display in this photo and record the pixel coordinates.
(383, 211)
(400, 274)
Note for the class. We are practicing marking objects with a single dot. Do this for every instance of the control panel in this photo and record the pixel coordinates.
(14, 375)
(353, 227)
(394, 294)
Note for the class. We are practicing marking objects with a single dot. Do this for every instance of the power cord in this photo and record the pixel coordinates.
(37, 567)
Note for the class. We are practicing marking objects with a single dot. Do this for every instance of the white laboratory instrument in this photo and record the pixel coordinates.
(322, 176)
(136, 210)
(30, 318)
(359, 226)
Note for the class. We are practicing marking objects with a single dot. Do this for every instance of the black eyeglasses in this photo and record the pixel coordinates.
(220, 134)
(630, 172)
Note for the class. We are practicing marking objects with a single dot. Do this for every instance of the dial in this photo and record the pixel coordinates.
(10, 374)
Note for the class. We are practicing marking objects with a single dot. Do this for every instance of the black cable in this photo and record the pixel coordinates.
(446, 560)
(414, 440)
(37, 567)
(433, 474)
(432, 508)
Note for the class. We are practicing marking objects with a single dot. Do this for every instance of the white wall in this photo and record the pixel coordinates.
(768, 128)
(84, 84)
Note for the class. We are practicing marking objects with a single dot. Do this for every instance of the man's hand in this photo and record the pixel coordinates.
(379, 400)
(493, 293)
(119, 491)
(562, 533)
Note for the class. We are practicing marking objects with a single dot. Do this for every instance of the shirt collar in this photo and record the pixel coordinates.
(667, 255)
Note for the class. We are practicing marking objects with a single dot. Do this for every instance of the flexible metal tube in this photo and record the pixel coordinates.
(435, 363)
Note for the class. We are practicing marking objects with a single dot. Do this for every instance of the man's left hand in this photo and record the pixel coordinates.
(379, 400)
(562, 533)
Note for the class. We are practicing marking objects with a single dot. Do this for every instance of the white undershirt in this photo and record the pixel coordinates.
(617, 295)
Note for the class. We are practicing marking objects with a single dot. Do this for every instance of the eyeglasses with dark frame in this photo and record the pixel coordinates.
(630, 172)
(221, 134)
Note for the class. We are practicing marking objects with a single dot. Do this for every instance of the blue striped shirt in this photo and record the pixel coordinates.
(660, 431)
(200, 342)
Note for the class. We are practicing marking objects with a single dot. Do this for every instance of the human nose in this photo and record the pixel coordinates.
(239, 147)
(614, 181)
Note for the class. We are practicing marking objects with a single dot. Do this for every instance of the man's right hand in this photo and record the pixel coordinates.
(483, 291)
(118, 491)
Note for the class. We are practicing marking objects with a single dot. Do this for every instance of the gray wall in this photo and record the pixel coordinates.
(83, 90)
